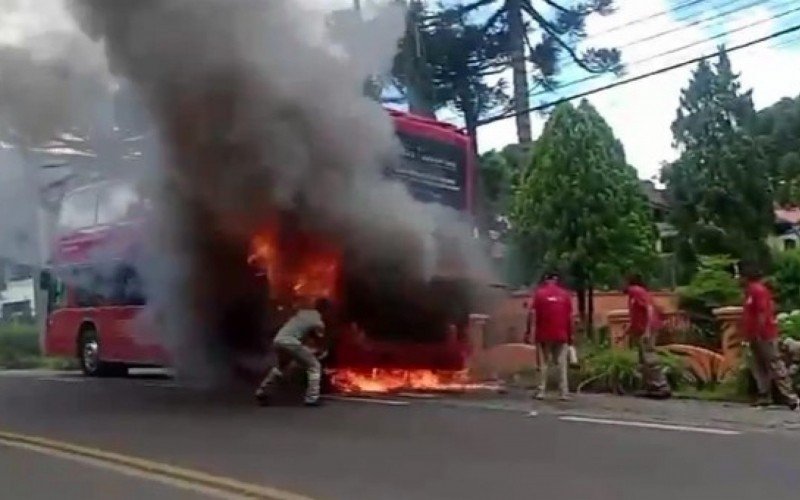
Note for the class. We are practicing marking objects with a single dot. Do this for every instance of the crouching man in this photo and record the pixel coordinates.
(289, 346)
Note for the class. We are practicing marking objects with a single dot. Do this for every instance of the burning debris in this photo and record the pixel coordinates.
(388, 380)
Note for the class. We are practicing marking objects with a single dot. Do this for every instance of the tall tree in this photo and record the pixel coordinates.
(560, 27)
(777, 128)
(460, 56)
(719, 188)
(411, 72)
(581, 201)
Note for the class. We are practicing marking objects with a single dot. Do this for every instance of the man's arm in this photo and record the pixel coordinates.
(571, 322)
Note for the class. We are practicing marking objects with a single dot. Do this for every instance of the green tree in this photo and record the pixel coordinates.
(785, 279)
(581, 201)
(777, 129)
(443, 60)
(719, 188)
(559, 28)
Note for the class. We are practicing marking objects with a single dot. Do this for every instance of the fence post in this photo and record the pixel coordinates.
(618, 321)
(729, 320)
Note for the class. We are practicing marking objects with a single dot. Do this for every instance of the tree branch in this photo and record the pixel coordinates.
(558, 7)
(553, 32)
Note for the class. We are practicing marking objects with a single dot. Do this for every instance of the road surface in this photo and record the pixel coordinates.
(394, 449)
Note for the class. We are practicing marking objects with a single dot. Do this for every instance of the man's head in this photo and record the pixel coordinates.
(550, 277)
(749, 272)
(634, 279)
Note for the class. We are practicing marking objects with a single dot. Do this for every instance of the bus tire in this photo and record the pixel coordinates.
(89, 354)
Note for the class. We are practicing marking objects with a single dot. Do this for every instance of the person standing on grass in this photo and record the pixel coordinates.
(760, 327)
(552, 310)
(645, 321)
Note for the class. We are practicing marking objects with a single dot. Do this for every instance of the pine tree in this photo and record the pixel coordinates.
(719, 188)
(560, 26)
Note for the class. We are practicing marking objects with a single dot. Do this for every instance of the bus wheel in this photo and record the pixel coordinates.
(89, 357)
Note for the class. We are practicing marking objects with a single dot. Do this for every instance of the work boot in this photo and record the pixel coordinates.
(312, 402)
(794, 404)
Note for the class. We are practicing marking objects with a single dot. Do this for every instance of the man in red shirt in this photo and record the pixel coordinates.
(760, 328)
(645, 321)
(552, 310)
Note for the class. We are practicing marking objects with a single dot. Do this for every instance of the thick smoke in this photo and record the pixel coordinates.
(258, 113)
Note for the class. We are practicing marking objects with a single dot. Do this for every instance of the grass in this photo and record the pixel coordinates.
(19, 349)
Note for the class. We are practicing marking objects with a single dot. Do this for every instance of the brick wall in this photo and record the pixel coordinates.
(508, 314)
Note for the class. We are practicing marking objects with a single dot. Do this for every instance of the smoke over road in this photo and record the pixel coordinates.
(258, 113)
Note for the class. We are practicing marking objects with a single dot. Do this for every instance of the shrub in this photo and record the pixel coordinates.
(785, 279)
(789, 324)
(617, 370)
(711, 287)
(19, 345)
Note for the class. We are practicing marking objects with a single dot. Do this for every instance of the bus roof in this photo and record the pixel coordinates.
(420, 125)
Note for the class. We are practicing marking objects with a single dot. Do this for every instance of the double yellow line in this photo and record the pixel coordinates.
(211, 485)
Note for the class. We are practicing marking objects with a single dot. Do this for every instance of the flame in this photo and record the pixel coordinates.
(297, 264)
(383, 380)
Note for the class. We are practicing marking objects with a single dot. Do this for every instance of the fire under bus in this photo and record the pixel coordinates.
(96, 304)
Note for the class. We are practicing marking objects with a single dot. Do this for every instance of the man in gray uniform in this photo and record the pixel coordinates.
(288, 344)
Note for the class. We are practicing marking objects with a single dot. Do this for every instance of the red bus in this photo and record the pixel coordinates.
(95, 298)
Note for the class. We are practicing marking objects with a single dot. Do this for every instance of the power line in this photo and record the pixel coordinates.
(643, 76)
(698, 22)
(655, 15)
(681, 48)
(569, 62)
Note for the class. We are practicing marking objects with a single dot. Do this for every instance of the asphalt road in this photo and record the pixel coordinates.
(35, 476)
(415, 451)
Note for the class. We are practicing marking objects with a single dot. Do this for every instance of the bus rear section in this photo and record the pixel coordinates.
(95, 299)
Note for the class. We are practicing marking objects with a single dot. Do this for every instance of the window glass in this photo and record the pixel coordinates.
(127, 288)
(78, 210)
(117, 203)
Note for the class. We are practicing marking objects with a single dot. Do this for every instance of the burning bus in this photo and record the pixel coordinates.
(391, 333)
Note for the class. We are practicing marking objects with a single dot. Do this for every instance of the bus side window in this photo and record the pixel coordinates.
(117, 203)
(128, 289)
(86, 284)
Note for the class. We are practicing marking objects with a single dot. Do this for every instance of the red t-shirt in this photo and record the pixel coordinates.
(553, 307)
(758, 303)
(639, 304)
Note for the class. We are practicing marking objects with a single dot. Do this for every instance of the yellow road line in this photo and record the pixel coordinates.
(212, 485)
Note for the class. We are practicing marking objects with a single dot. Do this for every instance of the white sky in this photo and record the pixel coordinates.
(641, 113)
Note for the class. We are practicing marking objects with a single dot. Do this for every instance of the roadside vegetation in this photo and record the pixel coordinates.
(19, 348)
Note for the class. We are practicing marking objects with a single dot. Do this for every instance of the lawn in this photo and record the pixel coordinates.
(19, 348)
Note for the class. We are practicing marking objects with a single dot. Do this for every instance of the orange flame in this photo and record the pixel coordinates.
(380, 380)
(296, 264)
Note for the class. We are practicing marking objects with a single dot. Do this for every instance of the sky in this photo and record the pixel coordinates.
(641, 113)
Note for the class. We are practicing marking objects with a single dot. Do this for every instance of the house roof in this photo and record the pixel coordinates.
(654, 195)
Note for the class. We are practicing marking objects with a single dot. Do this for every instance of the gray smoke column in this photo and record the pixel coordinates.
(258, 113)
